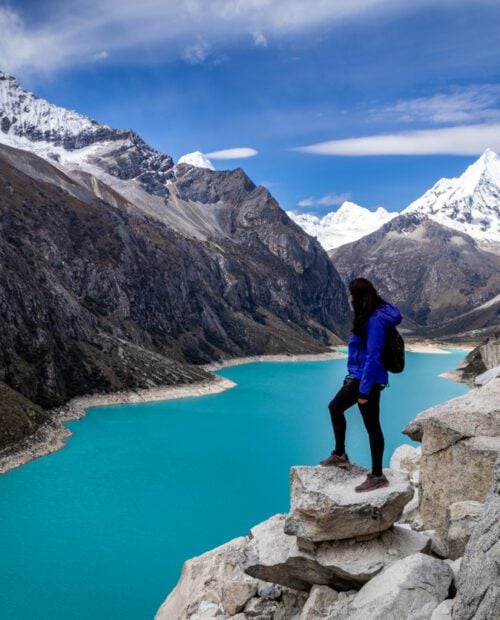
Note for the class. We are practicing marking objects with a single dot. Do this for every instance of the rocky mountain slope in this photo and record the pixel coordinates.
(121, 270)
(349, 223)
(434, 273)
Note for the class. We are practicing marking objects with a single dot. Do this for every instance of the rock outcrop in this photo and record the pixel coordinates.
(483, 358)
(411, 588)
(274, 556)
(324, 505)
(479, 578)
(214, 586)
(393, 574)
(460, 444)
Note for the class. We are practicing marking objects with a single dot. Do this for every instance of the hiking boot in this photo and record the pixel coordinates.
(372, 483)
(337, 461)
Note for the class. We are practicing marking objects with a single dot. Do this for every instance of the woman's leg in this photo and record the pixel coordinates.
(346, 397)
(371, 417)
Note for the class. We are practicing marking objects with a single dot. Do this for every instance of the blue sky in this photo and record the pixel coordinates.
(303, 84)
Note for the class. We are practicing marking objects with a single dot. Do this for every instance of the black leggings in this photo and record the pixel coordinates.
(346, 397)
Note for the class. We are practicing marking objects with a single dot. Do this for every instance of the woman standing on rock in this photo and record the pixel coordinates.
(366, 378)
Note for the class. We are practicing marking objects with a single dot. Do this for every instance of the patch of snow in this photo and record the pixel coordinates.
(197, 159)
(349, 223)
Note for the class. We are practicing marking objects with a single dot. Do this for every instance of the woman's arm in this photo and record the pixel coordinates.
(375, 334)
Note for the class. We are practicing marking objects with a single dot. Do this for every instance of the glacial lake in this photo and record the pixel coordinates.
(100, 529)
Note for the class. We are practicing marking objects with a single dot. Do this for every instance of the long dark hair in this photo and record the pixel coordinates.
(365, 300)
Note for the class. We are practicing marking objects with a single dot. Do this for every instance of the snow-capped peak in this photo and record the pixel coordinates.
(469, 203)
(197, 159)
(349, 223)
(23, 114)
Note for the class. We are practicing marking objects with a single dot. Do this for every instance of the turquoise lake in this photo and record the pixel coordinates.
(101, 529)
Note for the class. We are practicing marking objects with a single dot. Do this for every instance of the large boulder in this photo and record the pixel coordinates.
(213, 585)
(460, 444)
(272, 555)
(325, 506)
(479, 577)
(411, 588)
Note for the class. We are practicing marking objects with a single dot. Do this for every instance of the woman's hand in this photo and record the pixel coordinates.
(362, 401)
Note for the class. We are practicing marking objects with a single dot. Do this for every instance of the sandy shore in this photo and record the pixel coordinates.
(52, 437)
(432, 347)
(306, 357)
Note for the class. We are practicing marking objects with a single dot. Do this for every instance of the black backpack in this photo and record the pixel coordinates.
(393, 353)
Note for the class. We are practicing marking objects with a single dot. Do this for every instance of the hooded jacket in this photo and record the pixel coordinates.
(364, 360)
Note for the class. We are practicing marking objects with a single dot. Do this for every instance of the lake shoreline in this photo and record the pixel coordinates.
(52, 436)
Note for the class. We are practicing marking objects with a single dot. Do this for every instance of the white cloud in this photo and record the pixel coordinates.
(70, 32)
(325, 201)
(101, 55)
(236, 153)
(472, 104)
(259, 39)
(197, 53)
(462, 140)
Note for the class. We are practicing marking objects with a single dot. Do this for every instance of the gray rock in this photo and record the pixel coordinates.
(455, 567)
(407, 458)
(460, 444)
(487, 376)
(319, 604)
(411, 588)
(438, 545)
(443, 611)
(272, 555)
(324, 505)
(479, 577)
(462, 517)
(211, 582)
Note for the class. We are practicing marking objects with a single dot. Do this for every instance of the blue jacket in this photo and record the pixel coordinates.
(364, 360)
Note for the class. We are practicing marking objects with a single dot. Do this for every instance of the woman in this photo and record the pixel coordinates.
(366, 378)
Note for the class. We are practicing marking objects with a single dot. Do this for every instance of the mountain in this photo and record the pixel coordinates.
(469, 203)
(434, 273)
(121, 270)
(349, 223)
(198, 159)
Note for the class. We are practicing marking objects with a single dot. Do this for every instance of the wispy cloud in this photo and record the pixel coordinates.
(462, 140)
(240, 152)
(101, 55)
(471, 104)
(71, 32)
(197, 53)
(325, 201)
(259, 39)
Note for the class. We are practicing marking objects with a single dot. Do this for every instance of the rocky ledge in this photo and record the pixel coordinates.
(348, 556)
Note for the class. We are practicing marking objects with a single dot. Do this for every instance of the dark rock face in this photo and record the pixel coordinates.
(431, 272)
(95, 297)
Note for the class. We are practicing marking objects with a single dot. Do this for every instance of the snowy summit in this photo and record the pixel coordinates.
(469, 203)
(197, 159)
(349, 223)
